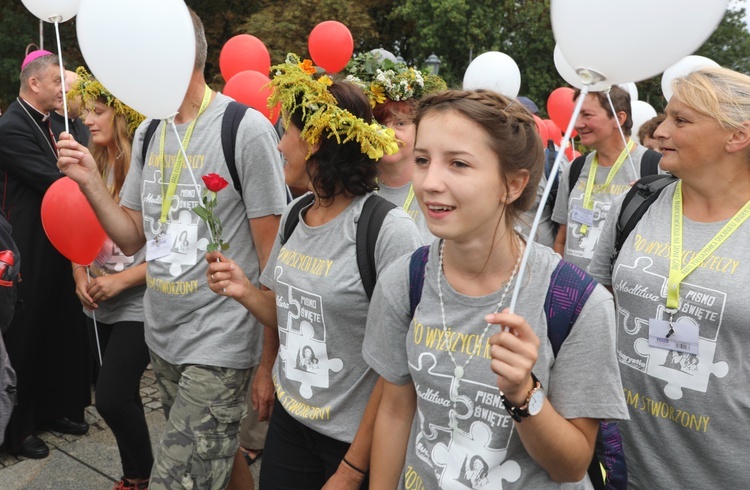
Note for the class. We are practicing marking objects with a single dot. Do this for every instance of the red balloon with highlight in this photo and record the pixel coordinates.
(331, 45)
(241, 53)
(560, 107)
(251, 88)
(70, 222)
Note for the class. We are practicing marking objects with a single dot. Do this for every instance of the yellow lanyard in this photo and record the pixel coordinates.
(174, 178)
(409, 196)
(588, 202)
(676, 273)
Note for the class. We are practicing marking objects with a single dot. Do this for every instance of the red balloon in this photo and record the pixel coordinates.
(331, 45)
(70, 222)
(541, 129)
(241, 53)
(553, 132)
(560, 107)
(251, 88)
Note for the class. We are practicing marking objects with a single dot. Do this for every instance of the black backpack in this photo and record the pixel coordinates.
(634, 205)
(370, 221)
(649, 166)
(550, 154)
(10, 264)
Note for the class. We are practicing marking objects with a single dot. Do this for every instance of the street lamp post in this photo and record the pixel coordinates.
(433, 64)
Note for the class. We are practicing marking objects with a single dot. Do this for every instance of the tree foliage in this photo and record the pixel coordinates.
(285, 28)
(455, 30)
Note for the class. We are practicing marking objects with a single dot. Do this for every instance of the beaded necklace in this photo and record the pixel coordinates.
(458, 371)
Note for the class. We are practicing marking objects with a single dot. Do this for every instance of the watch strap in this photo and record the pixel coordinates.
(521, 412)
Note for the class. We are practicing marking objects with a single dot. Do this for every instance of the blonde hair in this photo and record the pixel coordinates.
(121, 159)
(719, 93)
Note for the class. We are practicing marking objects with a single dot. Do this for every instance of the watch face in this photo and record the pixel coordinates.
(536, 401)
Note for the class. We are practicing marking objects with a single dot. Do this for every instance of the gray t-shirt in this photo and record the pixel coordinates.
(399, 196)
(583, 381)
(688, 413)
(186, 323)
(128, 305)
(546, 231)
(580, 248)
(320, 376)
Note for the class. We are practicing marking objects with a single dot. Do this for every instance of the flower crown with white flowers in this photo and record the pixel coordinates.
(295, 87)
(382, 79)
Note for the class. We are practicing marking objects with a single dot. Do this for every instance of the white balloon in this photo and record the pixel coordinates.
(622, 44)
(143, 51)
(686, 65)
(569, 74)
(641, 112)
(53, 10)
(384, 54)
(630, 88)
(493, 71)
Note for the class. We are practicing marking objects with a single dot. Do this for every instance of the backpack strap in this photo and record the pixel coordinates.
(292, 219)
(147, 137)
(650, 163)
(417, 266)
(230, 124)
(575, 171)
(569, 289)
(374, 211)
(635, 204)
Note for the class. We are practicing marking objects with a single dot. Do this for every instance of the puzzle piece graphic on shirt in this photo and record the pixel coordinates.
(118, 260)
(681, 370)
(185, 245)
(306, 360)
(468, 462)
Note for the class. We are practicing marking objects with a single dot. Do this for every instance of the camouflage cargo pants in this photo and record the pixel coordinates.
(203, 406)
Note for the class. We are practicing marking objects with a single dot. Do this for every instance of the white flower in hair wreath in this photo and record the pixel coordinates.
(382, 79)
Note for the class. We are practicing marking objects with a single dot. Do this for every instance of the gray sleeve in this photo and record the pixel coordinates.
(587, 361)
(560, 212)
(599, 267)
(388, 319)
(398, 236)
(259, 167)
(130, 194)
(267, 276)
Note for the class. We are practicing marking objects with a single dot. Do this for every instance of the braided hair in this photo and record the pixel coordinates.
(511, 134)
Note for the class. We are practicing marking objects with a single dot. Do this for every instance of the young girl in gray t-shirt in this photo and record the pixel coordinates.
(473, 395)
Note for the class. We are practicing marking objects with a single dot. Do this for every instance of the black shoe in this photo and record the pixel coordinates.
(32, 447)
(66, 426)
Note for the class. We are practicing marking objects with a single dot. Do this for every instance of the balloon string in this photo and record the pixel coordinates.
(622, 134)
(540, 209)
(62, 76)
(190, 168)
(96, 329)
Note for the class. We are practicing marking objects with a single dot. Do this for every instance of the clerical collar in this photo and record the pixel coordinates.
(43, 116)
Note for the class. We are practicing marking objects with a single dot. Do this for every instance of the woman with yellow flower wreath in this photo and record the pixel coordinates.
(321, 426)
(393, 90)
(114, 292)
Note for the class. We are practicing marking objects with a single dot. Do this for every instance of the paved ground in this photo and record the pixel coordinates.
(83, 462)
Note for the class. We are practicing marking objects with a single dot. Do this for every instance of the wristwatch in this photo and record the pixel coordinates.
(532, 405)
